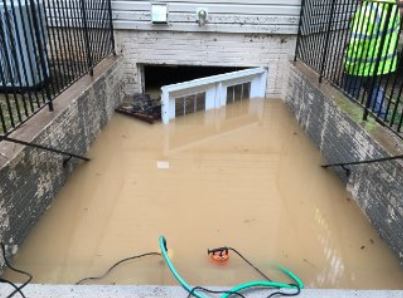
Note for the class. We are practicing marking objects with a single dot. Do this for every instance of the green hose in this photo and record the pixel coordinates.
(178, 277)
(291, 275)
(237, 288)
(269, 284)
(260, 284)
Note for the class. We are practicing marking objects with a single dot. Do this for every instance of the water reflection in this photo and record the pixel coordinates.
(331, 274)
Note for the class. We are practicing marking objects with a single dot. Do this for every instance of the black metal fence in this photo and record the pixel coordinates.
(45, 46)
(357, 46)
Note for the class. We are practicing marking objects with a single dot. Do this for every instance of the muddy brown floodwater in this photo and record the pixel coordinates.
(245, 176)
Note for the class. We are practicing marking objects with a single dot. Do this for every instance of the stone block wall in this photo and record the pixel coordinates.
(30, 178)
(335, 125)
(205, 49)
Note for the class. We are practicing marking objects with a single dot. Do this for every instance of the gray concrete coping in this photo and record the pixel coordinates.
(95, 291)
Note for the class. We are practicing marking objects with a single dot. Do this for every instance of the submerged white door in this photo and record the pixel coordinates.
(212, 92)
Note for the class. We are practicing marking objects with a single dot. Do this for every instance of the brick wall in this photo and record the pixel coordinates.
(30, 178)
(205, 49)
(335, 125)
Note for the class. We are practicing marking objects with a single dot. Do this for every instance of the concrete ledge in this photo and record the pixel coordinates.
(69, 291)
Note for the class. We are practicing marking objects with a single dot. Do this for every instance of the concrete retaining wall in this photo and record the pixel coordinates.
(205, 49)
(335, 125)
(30, 178)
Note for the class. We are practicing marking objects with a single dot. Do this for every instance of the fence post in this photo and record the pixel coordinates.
(42, 52)
(111, 26)
(87, 39)
(329, 29)
(301, 15)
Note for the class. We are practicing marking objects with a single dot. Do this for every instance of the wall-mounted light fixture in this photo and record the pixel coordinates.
(159, 13)
(202, 16)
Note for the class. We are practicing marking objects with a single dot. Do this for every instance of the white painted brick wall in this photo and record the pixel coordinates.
(214, 49)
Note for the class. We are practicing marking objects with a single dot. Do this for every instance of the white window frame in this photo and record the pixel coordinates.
(215, 88)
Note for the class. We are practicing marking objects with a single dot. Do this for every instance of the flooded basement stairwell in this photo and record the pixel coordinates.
(244, 175)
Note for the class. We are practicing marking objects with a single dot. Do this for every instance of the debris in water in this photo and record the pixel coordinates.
(362, 247)
(142, 107)
(163, 165)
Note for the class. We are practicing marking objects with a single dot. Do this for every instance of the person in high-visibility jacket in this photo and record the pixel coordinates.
(372, 50)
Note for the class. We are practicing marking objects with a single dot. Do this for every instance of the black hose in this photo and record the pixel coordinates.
(191, 293)
(18, 289)
(286, 294)
(117, 264)
(250, 264)
(260, 272)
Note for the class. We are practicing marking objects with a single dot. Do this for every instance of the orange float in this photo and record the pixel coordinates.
(219, 255)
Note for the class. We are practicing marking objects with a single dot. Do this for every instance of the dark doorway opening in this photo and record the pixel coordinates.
(156, 76)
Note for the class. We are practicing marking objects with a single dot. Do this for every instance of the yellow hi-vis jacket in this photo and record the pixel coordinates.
(371, 28)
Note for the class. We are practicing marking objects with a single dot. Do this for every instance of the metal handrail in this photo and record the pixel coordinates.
(46, 148)
(355, 163)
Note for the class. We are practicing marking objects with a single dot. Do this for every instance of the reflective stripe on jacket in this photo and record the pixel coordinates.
(371, 28)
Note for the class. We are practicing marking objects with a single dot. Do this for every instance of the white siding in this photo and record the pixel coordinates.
(226, 16)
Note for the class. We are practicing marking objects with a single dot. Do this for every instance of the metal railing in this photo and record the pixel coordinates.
(349, 43)
(45, 46)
